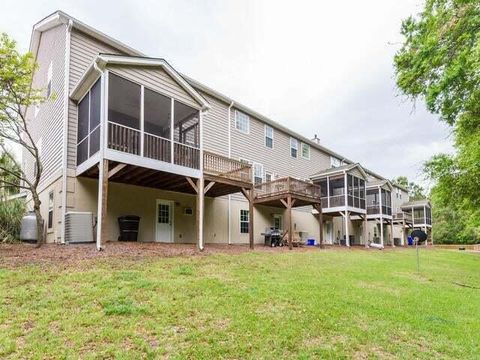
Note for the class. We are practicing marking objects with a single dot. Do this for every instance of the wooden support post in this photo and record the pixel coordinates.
(320, 221)
(200, 210)
(102, 204)
(381, 230)
(347, 228)
(392, 243)
(365, 230)
(251, 237)
(289, 224)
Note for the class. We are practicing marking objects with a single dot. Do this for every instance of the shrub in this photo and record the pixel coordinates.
(11, 213)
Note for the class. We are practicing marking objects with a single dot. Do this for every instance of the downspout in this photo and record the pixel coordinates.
(65, 128)
(229, 211)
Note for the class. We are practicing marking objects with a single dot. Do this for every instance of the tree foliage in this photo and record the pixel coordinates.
(16, 96)
(439, 63)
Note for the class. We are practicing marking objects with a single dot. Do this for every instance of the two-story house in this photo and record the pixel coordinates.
(125, 134)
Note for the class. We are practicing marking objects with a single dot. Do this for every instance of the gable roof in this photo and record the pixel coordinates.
(101, 61)
(338, 170)
(380, 183)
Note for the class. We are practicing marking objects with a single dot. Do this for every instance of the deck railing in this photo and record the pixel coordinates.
(128, 140)
(287, 185)
(218, 165)
(400, 216)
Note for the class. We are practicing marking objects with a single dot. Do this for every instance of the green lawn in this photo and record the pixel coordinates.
(316, 304)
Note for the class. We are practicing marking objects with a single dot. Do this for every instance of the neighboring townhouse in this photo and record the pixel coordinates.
(125, 134)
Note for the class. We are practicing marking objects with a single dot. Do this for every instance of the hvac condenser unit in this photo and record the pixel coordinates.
(79, 227)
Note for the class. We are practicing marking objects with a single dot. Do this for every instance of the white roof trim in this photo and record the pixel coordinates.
(342, 170)
(101, 61)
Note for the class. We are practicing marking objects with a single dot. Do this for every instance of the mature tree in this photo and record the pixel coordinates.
(415, 191)
(16, 95)
(439, 63)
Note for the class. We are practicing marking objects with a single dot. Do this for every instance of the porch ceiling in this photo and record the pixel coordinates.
(140, 176)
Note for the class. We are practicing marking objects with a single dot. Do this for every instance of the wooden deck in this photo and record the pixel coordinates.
(270, 193)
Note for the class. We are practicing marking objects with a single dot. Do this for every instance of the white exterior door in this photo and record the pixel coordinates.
(164, 221)
(328, 232)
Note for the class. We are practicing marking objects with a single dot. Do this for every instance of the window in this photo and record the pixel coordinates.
(242, 122)
(278, 221)
(257, 173)
(50, 210)
(305, 151)
(293, 147)
(269, 136)
(88, 123)
(49, 80)
(268, 176)
(188, 211)
(334, 162)
(244, 221)
(123, 102)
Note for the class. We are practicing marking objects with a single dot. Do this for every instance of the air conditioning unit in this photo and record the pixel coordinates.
(79, 227)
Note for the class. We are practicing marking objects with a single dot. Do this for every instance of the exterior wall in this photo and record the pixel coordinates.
(48, 124)
(215, 126)
(399, 197)
(83, 50)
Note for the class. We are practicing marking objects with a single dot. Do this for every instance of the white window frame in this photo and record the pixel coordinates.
(49, 79)
(334, 161)
(260, 166)
(51, 206)
(242, 211)
(308, 147)
(238, 124)
(267, 128)
(268, 173)
(292, 142)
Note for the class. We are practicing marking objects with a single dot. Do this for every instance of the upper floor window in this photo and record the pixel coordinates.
(293, 147)
(49, 79)
(305, 151)
(257, 173)
(268, 176)
(335, 162)
(242, 122)
(269, 136)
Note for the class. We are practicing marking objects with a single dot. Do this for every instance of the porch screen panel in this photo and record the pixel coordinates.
(337, 191)
(82, 129)
(95, 100)
(187, 124)
(123, 102)
(157, 114)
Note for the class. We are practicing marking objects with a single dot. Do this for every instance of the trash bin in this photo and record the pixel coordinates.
(128, 227)
(410, 241)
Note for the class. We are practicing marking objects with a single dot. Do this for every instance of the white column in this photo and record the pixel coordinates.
(347, 226)
(142, 119)
(328, 191)
(172, 131)
(381, 214)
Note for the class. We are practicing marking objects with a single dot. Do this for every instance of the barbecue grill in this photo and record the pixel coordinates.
(273, 237)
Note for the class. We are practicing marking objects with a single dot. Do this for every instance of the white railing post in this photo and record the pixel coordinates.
(172, 131)
(142, 119)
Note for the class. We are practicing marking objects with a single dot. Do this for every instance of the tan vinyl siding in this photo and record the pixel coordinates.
(155, 79)
(83, 50)
(277, 160)
(215, 126)
(48, 124)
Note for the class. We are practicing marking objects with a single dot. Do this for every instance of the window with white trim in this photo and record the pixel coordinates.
(334, 162)
(268, 176)
(244, 221)
(293, 147)
(269, 136)
(257, 173)
(306, 151)
(242, 122)
(50, 210)
(49, 80)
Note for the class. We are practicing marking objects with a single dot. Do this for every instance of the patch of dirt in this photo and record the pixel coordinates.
(21, 254)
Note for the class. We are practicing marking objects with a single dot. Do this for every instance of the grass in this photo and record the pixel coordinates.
(333, 304)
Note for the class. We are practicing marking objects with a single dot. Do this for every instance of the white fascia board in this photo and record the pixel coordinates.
(92, 74)
(126, 60)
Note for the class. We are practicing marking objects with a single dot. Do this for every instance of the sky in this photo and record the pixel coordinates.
(317, 67)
